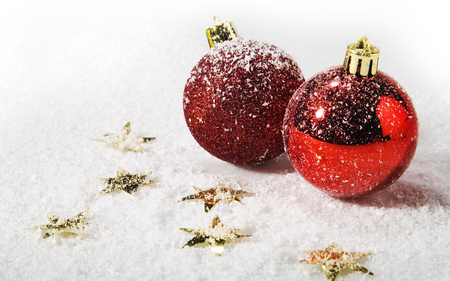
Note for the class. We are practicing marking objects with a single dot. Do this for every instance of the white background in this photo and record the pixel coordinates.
(70, 71)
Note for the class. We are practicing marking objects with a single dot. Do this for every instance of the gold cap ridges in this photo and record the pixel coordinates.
(220, 32)
(362, 58)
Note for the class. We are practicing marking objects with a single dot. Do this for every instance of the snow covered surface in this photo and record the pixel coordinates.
(70, 72)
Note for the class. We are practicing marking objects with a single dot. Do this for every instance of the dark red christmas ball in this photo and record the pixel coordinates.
(235, 99)
(350, 135)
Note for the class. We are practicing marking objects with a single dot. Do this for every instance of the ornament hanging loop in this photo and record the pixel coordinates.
(364, 44)
(362, 58)
(220, 32)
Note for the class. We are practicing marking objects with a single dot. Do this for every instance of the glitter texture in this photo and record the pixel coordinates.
(333, 260)
(125, 140)
(216, 235)
(75, 225)
(125, 181)
(235, 99)
(214, 195)
(349, 135)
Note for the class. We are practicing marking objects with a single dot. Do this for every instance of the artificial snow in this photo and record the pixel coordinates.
(69, 73)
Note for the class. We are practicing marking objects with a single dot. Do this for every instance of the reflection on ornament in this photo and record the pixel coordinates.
(73, 226)
(124, 140)
(235, 98)
(333, 260)
(125, 181)
(351, 130)
(212, 196)
(320, 114)
(216, 235)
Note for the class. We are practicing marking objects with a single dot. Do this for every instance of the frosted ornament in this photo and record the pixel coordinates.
(235, 97)
(72, 226)
(125, 181)
(212, 196)
(351, 131)
(333, 260)
(216, 235)
(124, 140)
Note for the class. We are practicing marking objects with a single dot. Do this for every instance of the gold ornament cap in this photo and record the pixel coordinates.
(220, 32)
(362, 58)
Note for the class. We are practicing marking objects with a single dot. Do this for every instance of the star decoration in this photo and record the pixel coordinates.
(333, 259)
(74, 225)
(125, 181)
(124, 140)
(211, 196)
(216, 235)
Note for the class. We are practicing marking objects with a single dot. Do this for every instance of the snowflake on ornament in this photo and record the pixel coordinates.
(333, 260)
(212, 196)
(216, 235)
(124, 140)
(64, 227)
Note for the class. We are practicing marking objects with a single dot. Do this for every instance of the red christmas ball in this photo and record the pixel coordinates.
(235, 99)
(350, 135)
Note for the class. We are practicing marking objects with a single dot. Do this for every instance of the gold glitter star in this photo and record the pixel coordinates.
(74, 225)
(216, 235)
(125, 181)
(333, 259)
(124, 140)
(211, 196)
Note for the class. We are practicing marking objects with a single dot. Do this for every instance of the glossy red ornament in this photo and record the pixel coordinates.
(350, 135)
(235, 99)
